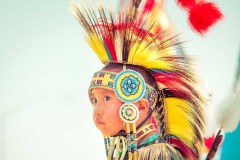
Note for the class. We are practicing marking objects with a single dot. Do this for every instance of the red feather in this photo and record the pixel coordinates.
(186, 4)
(149, 5)
(173, 83)
(203, 15)
(183, 147)
(208, 141)
(110, 47)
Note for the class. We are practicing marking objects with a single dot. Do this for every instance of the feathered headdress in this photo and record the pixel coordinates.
(126, 38)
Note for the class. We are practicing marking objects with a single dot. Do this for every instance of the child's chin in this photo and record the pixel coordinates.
(108, 133)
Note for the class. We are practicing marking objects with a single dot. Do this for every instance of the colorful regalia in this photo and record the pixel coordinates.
(132, 41)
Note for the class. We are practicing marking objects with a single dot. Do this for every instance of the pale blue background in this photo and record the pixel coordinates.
(46, 66)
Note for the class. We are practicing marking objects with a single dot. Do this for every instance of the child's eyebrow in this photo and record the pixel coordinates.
(91, 94)
(101, 92)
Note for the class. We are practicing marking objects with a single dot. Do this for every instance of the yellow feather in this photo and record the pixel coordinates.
(157, 64)
(180, 121)
(97, 45)
(143, 55)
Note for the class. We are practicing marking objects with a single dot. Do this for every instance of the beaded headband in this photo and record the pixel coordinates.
(130, 86)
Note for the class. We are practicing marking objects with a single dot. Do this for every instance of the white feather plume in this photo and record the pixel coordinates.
(228, 111)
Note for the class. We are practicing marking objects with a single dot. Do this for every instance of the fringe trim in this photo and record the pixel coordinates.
(160, 151)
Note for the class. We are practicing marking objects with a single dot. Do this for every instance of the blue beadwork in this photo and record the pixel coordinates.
(110, 84)
(134, 142)
(129, 142)
(107, 145)
(130, 85)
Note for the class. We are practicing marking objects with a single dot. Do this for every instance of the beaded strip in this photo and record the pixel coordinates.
(145, 130)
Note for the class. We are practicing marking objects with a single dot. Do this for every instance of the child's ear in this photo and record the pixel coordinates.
(142, 106)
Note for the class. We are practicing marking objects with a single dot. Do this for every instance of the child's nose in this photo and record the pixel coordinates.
(99, 108)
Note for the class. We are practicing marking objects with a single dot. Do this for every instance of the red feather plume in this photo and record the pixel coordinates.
(203, 15)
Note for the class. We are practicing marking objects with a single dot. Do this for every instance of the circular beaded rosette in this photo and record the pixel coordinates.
(129, 113)
(129, 86)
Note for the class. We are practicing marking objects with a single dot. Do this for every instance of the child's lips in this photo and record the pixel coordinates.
(99, 123)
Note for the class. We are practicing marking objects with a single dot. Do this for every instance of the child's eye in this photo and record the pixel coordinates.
(107, 98)
(94, 100)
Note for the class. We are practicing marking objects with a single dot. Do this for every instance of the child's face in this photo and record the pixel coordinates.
(106, 111)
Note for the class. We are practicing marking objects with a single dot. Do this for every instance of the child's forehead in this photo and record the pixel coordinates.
(95, 91)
